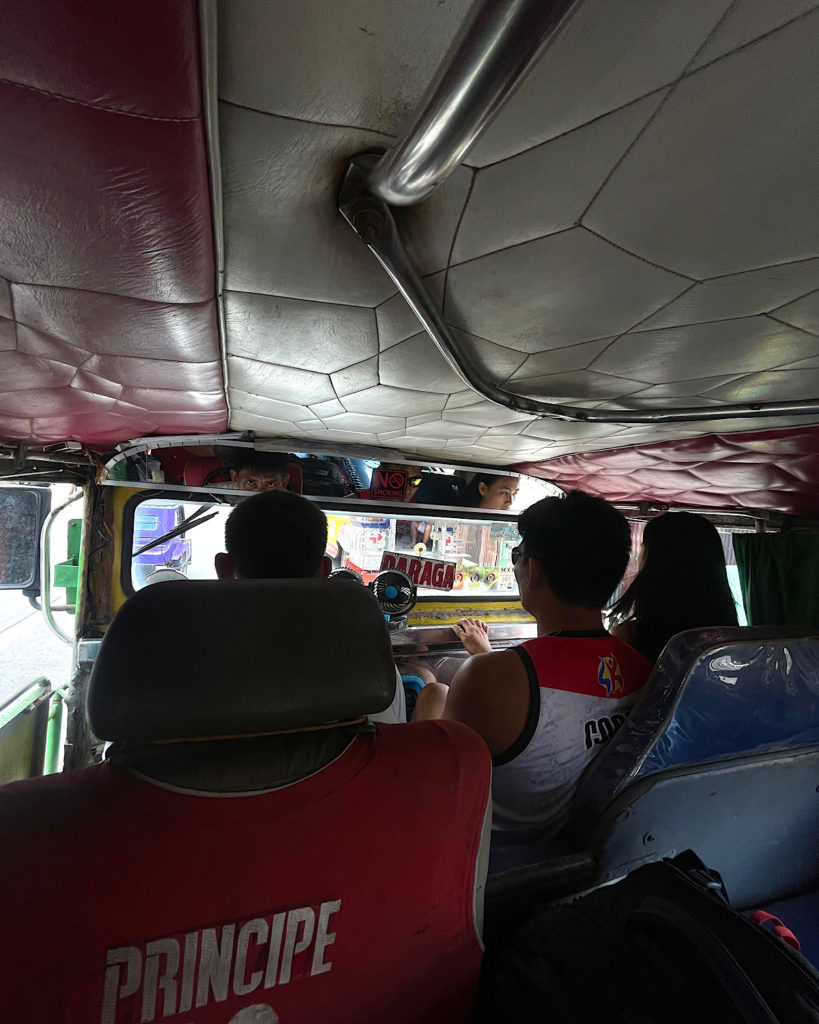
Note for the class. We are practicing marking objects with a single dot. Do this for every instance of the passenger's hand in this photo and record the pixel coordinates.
(473, 634)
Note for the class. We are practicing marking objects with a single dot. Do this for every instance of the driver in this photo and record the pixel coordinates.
(258, 471)
(280, 535)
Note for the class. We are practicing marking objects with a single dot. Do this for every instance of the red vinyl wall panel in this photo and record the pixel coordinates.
(108, 326)
(773, 469)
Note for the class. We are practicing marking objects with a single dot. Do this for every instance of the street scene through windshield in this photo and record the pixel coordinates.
(438, 554)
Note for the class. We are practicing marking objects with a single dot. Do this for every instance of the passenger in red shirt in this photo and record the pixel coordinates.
(332, 875)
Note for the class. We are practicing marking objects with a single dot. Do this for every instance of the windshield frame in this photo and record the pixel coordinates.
(352, 506)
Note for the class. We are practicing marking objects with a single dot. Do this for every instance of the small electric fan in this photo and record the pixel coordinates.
(395, 593)
(345, 574)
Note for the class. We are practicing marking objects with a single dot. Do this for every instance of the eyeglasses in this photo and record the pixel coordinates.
(414, 481)
(517, 553)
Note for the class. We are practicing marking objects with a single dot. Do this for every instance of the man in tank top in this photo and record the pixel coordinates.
(545, 707)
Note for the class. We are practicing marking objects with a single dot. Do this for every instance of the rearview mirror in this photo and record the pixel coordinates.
(23, 511)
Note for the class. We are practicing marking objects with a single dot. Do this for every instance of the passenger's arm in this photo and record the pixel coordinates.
(490, 693)
(473, 634)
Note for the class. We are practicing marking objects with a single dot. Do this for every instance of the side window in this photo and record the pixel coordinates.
(22, 511)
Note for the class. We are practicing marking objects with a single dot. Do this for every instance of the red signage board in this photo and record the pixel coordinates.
(424, 572)
(389, 484)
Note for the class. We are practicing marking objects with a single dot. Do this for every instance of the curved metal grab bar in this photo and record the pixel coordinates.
(48, 611)
(496, 46)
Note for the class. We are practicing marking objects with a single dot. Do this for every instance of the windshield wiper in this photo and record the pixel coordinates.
(193, 520)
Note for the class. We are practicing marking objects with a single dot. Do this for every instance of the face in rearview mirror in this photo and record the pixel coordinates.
(22, 512)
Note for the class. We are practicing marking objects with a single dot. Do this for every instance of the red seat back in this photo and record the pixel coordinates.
(197, 470)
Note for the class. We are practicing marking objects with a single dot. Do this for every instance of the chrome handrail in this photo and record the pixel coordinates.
(48, 610)
(496, 46)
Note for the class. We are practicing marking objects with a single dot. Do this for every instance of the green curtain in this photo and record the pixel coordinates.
(779, 574)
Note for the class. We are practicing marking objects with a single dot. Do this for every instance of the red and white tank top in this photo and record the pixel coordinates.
(581, 685)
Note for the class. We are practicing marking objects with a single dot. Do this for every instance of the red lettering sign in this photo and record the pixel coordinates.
(424, 572)
(389, 484)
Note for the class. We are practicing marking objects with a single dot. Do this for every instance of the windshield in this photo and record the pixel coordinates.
(440, 553)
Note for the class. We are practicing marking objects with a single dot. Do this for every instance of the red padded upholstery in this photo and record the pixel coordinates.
(197, 471)
(296, 477)
(108, 324)
(772, 469)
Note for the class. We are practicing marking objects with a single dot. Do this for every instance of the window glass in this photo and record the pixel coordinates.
(28, 648)
(476, 554)
(19, 538)
(733, 572)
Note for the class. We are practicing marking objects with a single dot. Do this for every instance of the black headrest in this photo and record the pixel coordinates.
(239, 657)
(440, 489)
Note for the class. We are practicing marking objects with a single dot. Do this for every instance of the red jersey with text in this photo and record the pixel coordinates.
(581, 688)
(347, 896)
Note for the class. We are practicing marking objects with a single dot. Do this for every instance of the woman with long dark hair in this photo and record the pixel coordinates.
(487, 490)
(681, 584)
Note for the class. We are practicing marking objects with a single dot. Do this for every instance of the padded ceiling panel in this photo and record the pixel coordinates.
(345, 63)
(107, 294)
(114, 64)
(774, 469)
(721, 180)
(637, 230)
(610, 55)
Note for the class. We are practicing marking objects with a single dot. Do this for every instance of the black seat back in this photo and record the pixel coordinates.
(244, 656)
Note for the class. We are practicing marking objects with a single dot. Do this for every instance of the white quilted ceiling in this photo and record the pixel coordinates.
(638, 229)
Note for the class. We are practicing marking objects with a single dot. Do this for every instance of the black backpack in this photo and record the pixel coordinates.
(661, 946)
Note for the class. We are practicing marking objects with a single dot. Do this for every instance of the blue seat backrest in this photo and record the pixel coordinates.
(714, 693)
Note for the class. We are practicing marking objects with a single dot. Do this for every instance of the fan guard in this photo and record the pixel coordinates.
(394, 591)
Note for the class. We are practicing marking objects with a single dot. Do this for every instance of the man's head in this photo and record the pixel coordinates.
(259, 471)
(578, 545)
(274, 535)
(413, 477)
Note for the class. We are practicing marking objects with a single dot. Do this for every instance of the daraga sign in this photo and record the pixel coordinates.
(424, 572)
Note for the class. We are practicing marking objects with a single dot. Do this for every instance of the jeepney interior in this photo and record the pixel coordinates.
(575, 242)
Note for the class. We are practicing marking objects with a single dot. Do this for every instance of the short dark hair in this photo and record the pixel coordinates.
(268, 463)
(276, 535)
(583, 544)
